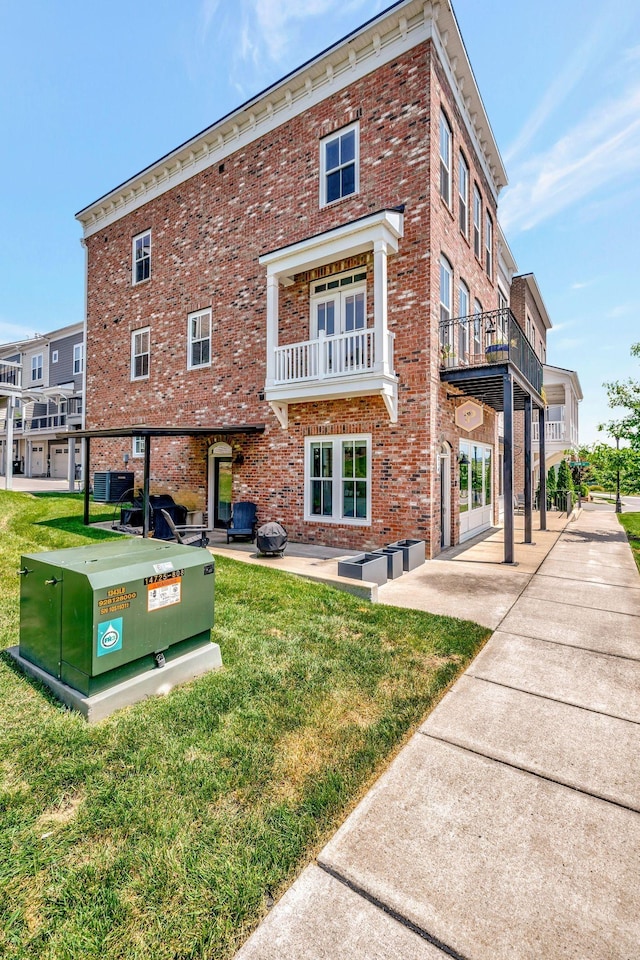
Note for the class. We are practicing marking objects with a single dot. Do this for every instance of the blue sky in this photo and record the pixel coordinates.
(92, 93)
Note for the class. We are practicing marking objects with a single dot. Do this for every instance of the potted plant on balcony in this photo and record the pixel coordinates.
(497, 352)
(447, 355)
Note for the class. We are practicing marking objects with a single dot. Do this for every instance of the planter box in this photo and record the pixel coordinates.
(366, 566)
(413, 552)
(497, 353)
(194, 518)
(394, 561)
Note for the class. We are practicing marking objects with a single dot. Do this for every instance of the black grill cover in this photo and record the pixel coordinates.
(271, 538)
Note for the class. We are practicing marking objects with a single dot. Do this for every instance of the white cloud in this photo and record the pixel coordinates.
(602, 149)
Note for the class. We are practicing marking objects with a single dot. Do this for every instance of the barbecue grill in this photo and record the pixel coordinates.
(271, 539)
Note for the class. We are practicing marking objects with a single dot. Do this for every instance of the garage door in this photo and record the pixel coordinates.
(59, 462)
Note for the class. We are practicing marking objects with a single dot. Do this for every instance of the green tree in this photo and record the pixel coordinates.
(564, 479)
(551, 481)
(625, 396)
(604, 462)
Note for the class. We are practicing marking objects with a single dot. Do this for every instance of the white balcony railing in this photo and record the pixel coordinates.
(348, 354)
(554, 430)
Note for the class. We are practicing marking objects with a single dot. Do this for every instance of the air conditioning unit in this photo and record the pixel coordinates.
(112, 486)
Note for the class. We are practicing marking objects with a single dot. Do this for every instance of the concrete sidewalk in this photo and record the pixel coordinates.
(509, 826)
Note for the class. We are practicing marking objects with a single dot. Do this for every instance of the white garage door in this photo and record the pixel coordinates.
(59, 462)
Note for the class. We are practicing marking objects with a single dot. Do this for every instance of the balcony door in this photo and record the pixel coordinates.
(339, 304)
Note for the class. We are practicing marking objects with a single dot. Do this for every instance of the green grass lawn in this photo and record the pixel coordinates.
(631, 523)
(166, 830)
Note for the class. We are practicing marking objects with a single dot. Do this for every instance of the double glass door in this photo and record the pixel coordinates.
(475, 488)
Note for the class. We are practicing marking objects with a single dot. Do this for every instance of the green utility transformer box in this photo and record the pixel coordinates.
(94, 617)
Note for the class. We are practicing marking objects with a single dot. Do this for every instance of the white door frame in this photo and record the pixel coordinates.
(444, 471)
(222, 450)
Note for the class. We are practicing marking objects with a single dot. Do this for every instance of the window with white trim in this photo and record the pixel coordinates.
(78, 357)
(338, 479)
(199, 335)
(477, 327)
(140, 353)
(477, 222)
(488, 245)
(36, 367)
(463, 325)
(339, 164)
(141, 257)
(138, 447)
(54, 356)
(446, 297)
(445, 159)
(463, 195)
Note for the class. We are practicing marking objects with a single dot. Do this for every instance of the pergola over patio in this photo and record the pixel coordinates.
(147, 432)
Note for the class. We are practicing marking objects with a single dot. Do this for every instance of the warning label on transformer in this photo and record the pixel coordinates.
(164, 593)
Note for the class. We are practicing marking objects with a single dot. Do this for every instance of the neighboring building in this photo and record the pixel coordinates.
(47, 409)
(563, 393)
(301, 306)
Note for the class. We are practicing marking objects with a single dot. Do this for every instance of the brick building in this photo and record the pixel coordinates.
(300, 305)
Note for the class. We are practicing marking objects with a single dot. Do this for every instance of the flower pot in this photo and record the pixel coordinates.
(394, 557)
(413, 552)
(497, 353)
(365, 566)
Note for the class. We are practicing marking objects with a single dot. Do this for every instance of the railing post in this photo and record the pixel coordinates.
(322, 366)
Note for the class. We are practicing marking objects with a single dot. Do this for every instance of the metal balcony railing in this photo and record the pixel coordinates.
(489, 338)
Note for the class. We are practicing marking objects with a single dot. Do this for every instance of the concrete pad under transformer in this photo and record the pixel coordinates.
(492, 861)
(575, 676)
(320, 918)
(155, 682)
(579, 748)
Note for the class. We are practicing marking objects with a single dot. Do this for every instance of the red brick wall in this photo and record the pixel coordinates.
(207, 235)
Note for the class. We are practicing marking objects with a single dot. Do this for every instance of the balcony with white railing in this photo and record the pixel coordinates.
(352, 363)
(10, 379)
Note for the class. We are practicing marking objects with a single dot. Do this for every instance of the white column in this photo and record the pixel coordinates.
(380, 304)
(27, 466)
(8, 473)
(272, 327)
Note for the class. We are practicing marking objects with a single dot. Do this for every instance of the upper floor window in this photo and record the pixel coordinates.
(477, 222)
(54, 356)
(445, 159)
(488, 245)
(140, 353)
(339, 304)
(446, 281)
(463, 195)
(78, 357)
(338, 479)
(199, 354)
(503, 303)
(339, 163)
(36, 367)
(463, 325)
(141, 267)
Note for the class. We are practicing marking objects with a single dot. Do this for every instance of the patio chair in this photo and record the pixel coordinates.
(243, 521)
(188, 536)
(518, 503)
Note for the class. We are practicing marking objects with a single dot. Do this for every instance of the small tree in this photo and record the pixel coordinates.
(565, 480)
(551, 482)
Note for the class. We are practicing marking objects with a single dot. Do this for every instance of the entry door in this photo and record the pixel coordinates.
(475, 488)
(60, 462)
(221, 491)
(37, 461)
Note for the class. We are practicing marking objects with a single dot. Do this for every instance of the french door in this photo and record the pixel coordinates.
(475, 488)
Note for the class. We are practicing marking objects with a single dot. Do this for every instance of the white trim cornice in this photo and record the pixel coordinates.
(379, 41)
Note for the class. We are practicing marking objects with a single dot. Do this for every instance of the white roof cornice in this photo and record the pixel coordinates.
(380, 40)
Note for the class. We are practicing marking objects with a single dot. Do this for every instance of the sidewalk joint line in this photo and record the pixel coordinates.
(597, 583)
(569, 646)
(543, 696)
(563, 603)
(404, 921)
(531, 773)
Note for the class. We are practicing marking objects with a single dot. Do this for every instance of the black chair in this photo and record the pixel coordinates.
(187, 535)
(243, 521)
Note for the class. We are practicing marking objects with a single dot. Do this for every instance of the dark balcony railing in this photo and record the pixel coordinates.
(489, 338)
